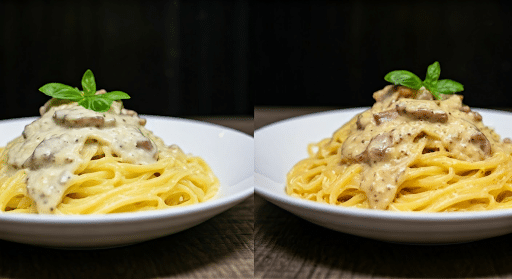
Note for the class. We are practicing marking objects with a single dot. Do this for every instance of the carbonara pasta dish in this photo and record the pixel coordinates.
(409, 152)
(73, 160)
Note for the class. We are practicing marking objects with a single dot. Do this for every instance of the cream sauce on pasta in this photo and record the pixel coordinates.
(50, 147)
(405, 122)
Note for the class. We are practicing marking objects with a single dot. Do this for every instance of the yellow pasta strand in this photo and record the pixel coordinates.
(434, 182)
(104, 184)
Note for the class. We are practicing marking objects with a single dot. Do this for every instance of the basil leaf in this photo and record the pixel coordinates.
(435, 94)
(61, 91)
(448, 86)
(431, 82)
(429, 85)
(433, 72)
(115, 95)
(101, 105)
(88, 98)
(86, 103)
(96, 104)
(88, 83)
(404, 78)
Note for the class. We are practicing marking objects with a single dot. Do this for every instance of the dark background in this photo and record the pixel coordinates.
(336, 53)
(192, 57)
(175, 58)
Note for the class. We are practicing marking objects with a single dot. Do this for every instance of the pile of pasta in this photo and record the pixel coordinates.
(434, 182)
(104, 184)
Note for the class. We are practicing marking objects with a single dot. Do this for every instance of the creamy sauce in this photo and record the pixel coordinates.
(50, 147)
(404, 123)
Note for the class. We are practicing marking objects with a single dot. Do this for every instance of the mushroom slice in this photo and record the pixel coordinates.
(79, 118)
(378, 147)
(417, 109)
(44, 154)
(480, 139)
(385, 116)
(145, 144)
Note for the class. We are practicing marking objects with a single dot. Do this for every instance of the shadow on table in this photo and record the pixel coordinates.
(287, 246)
(192, 253)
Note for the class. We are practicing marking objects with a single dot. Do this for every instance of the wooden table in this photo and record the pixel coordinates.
(289, 247)
(221, 247)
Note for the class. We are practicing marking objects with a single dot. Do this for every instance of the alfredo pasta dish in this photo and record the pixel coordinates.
(74, 160)
(409, 152)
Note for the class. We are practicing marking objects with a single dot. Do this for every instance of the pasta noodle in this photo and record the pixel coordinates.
(105, 181)
(420, 164)
(106, 185)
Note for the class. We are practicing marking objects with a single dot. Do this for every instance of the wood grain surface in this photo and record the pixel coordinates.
(222, 247)
(287, 246)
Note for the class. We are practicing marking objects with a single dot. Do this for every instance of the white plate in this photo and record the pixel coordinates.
(280, 145)
(228, 152)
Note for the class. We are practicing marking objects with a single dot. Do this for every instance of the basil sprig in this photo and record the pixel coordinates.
(431, 82)
(86, 98)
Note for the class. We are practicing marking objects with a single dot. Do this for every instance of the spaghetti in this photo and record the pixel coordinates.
(409, 153)
(82, 164)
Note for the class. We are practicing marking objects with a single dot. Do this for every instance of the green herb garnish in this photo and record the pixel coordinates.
(86, 98)
(431, 82)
